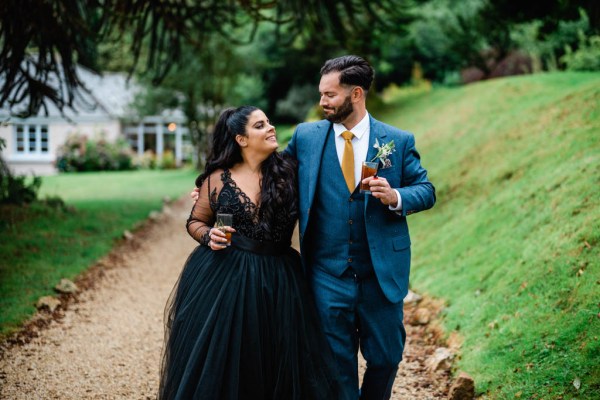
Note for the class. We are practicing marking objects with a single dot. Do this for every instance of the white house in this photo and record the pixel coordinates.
(32, 143)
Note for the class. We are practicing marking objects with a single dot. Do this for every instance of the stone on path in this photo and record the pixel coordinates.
(47, 303)
(66, 286)
(440, 360)
(127, 235)
(412, 297)
(421, 317)
(463, 388)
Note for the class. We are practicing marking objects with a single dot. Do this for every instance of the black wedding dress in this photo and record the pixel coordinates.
(241, 323)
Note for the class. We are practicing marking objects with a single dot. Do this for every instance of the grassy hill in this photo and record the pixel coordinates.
(512, 245)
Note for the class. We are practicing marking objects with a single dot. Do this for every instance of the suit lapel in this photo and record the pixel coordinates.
(376, 132)
(319, 136)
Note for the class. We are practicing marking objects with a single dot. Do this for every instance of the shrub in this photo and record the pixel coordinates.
(79, 153)
(587, 55)
(16, 189)
(145, 161)
(168, 160)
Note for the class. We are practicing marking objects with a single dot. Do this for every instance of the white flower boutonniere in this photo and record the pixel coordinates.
(383, 152)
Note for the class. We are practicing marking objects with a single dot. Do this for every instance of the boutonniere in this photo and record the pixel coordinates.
(383, 152)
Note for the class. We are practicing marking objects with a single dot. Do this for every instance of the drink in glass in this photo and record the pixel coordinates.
(225, 221)
(368, 169)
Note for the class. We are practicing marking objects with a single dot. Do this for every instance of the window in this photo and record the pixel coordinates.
(31, 139)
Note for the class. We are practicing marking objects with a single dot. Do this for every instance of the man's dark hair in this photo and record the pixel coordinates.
(355, 71)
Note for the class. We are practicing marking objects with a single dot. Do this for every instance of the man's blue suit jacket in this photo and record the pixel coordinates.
(387, 231)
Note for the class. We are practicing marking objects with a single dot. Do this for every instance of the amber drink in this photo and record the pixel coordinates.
(368, 169)
(225, 221)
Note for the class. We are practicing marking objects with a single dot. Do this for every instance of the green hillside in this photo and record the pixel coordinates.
(512, 245)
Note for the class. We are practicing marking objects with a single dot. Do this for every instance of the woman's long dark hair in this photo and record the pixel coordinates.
(279, 189)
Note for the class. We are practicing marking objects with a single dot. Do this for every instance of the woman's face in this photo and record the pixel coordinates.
(260, 134)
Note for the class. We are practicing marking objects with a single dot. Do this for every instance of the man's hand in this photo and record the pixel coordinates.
(380, 189)
(195, 194)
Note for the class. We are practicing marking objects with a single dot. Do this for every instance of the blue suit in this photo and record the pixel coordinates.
(360, 304)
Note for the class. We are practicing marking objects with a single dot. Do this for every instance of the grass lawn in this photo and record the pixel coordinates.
(41, 245)
(512, 245)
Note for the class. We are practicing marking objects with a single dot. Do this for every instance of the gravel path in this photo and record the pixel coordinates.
(105, 342)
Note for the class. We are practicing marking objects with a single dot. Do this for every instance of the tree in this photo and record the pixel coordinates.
(43, 41)
(201, 84)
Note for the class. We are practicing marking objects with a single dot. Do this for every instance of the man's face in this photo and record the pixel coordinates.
(335, 99)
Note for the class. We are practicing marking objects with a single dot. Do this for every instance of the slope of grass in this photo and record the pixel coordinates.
(40, 245)
(512, 245)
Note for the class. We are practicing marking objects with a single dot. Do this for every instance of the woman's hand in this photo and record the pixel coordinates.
(218, 237)
(195, 194)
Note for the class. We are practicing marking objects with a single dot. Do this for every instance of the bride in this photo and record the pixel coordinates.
(241, 323)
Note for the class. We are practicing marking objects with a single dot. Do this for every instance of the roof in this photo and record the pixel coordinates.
(109, 98)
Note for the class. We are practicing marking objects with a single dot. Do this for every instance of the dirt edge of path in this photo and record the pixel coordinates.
(87, 280)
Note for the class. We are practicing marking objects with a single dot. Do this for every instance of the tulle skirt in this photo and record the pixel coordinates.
(241, 324)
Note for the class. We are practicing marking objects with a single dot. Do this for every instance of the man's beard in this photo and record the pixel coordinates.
(342, 112)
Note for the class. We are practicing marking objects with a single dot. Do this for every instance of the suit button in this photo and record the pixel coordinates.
(350, 199)
(349, 260)
(350, 221)
(350, 241)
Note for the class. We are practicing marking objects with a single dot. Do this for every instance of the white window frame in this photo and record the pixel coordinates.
(31, 133)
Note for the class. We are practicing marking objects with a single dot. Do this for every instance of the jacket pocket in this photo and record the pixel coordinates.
(401, 243)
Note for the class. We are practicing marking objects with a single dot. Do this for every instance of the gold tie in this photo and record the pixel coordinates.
(348, 160)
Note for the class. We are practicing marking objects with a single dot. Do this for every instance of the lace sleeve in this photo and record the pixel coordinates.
(202, 217)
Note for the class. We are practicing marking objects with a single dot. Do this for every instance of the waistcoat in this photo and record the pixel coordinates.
(339, 239)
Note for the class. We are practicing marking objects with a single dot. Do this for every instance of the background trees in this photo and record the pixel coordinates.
(202, 55)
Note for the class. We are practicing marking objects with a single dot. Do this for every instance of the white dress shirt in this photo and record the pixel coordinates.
(360, 145)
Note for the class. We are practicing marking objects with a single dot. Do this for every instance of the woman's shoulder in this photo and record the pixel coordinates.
(214, 178)
(218, 173)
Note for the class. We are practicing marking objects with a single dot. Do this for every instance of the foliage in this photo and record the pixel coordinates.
(587, 55)
(70, 240)
(447, 37)
(16, 189)
(546, 47)
(39, 51)
(81, 153)
(513, 241)
(146, 161)
(19, 189)
(295, 106)
(202, 85)
(284, 135)
(168, 161)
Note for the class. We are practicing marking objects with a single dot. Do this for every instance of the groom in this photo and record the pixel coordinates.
(356, 247)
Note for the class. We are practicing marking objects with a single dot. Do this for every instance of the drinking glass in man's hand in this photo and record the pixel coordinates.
(368, 169)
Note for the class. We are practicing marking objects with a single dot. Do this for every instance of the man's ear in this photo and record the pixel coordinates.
(357, 93)
(241, 140)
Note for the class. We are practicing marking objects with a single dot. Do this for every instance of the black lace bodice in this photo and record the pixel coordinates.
(224, 196)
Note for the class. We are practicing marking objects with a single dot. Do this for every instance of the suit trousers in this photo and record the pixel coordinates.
(356, 314)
